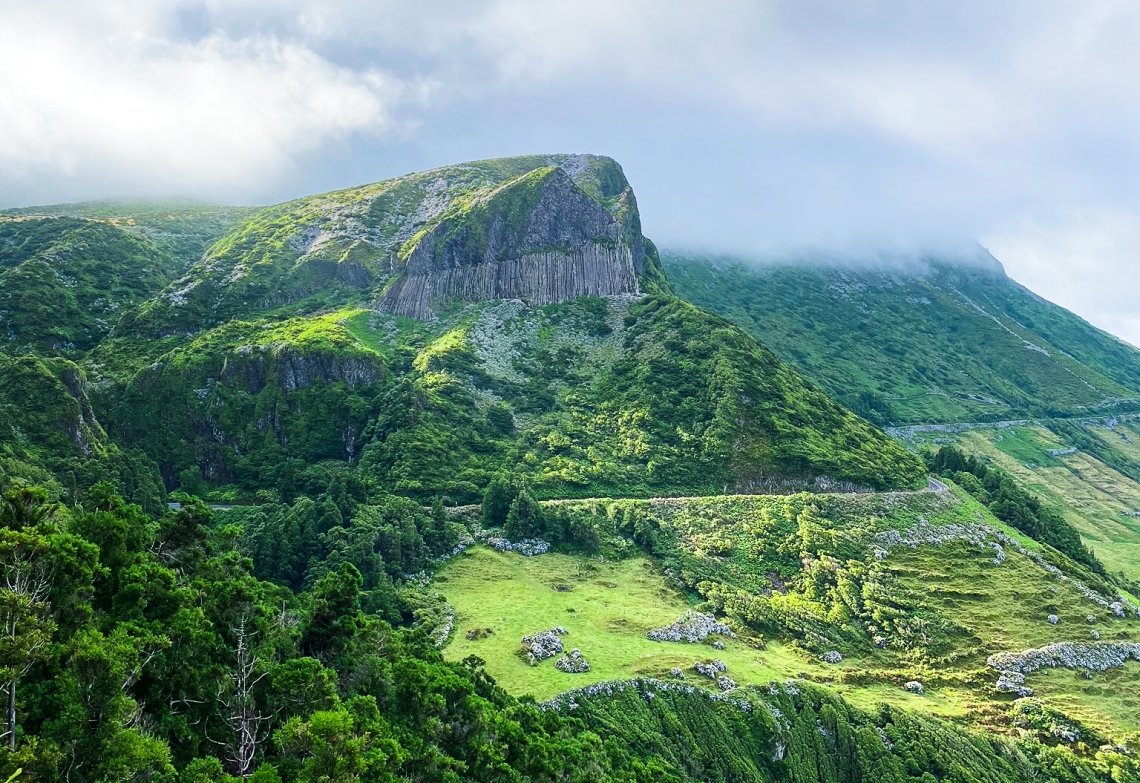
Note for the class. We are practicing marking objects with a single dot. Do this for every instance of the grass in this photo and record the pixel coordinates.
(1109, 701)
(975, 608)
(997, 607)
(1096, 499)
(607, 613)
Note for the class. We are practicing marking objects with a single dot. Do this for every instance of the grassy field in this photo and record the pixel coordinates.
(975, 608)
(607, 612)
(1096, 499)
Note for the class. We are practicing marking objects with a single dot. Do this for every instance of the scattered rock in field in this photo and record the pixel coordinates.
(561, 588)
(527, 547)
(1053, 619)
(718, 645)
(543, 645)
(725, 683)
(676, 674)
(1094, 634)
(831, 656)
(691, 627)
(1090, 618)
(574, 663)
(711, 669)
(479, 633)
(1013, 682)
(914, 686)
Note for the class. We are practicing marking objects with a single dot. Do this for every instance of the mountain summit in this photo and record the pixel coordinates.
(541, 228)
(538, 237)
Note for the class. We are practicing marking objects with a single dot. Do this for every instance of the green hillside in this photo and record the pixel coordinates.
(1099, 500)
(589, 397)
(797, 577)
(65, 282)
(180, 228)
(283, 490)
(933, 341)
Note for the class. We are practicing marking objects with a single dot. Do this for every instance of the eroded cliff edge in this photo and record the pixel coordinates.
(539, 237)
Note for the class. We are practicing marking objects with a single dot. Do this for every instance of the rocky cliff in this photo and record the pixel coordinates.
(539, 238)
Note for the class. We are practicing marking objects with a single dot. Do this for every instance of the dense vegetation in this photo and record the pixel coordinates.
(180, 228)
(294, 632)
(591, 397)
(148, 649)
(64, 282)
(922, 342)
(1012, 504)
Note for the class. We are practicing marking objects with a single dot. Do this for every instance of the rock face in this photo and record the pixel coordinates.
(539, 238)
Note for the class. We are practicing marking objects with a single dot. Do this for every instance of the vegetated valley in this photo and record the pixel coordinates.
(457, 477)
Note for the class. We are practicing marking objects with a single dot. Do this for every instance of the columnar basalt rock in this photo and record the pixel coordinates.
(539, 238)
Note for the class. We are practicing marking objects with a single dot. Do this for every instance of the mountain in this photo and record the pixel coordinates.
(460, 488)
(373, 330)
(381, 242)
(932, 340)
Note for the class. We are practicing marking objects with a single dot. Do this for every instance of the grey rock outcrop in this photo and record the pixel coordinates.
(831, 656)
(539, 238)
(543, 645)
(1094, 656)
(572, 663)
(691, 627)
(711, 669)
(725, 683)
(915, 687)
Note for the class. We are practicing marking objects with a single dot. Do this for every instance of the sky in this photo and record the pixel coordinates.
(746, 126)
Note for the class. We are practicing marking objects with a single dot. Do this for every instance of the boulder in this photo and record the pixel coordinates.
(573, 663)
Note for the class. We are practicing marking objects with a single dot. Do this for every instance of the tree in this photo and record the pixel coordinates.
(25, 613)
(525, 518)
(237, 704)
(497, 499)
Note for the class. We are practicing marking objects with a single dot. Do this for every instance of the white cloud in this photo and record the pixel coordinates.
(1086, 261)
(116, 97)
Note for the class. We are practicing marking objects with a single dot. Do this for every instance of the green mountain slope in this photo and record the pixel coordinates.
(634, 396)
(931, 342)
(346, 376)
(64, 282)
(180, 228)
(597, 381)
(49, 434)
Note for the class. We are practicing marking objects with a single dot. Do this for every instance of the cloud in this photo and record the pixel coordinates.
(115, 97)
(745, 125)
(1085, 260)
